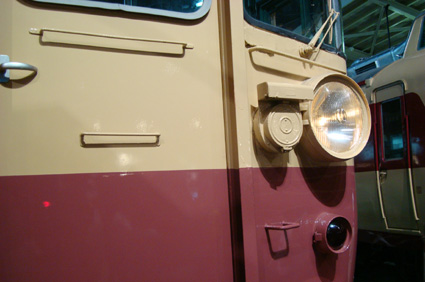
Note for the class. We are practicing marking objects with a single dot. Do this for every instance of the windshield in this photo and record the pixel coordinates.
(299, 19)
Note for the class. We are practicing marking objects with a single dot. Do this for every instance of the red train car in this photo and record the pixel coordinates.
(177, 141)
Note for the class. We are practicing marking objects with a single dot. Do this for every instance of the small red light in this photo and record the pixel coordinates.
(46, 204)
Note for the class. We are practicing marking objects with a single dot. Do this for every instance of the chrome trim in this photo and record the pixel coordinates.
(135, 9)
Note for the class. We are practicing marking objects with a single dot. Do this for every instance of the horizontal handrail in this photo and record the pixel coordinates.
(110, 41)
(271, 51)
(89, 139)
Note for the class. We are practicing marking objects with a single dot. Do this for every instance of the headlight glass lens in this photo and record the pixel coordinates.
(339, 119)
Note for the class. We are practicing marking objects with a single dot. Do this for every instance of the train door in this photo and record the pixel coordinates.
(395, 179)
(283, 191)
(112, 159)
(136, 145)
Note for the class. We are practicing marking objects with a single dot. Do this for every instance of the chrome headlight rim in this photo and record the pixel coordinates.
(312, 142)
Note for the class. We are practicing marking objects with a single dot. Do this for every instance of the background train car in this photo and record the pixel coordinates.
(158, 141)
(390, 173)
(365, 68)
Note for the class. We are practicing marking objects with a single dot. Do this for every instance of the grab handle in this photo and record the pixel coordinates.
(6, 66)
(282, 225)
(17, 66)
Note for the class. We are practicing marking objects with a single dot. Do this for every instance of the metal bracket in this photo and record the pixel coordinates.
(282, 225)
(284, 91)
(6, 66)
(4, 75)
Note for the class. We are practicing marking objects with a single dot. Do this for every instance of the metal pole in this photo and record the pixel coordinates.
(388, 26)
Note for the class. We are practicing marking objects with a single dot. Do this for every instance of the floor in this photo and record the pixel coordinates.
(382, 261)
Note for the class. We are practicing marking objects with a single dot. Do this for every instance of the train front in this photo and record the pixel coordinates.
(307, 121)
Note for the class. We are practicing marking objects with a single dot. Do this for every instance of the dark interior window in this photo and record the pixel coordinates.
(299, 19)
(422, 36)
(392, 127)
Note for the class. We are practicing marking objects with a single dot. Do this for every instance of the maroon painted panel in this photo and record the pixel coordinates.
(366, 160)
(297, 195)
(416, 112)
(144, 226)
(172, 226)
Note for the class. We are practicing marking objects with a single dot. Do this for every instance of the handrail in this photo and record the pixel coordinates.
(110, 41)
(93, 139)
(271, 51)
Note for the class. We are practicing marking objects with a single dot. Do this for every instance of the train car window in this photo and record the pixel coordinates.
(392, 129)
(184, 9)
(299, 19)
(422, 36)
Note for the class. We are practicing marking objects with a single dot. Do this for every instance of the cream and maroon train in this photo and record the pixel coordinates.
(390, 175)
(390, 172)
(177, 141)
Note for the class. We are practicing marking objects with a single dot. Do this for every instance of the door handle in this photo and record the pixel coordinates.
(382, 176)
(17, 66)
(6, 66)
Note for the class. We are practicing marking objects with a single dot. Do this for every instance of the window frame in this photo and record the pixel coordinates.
(287, 33)
(135, 9)
(381, 94)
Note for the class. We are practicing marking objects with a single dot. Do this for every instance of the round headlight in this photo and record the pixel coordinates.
(339, 119)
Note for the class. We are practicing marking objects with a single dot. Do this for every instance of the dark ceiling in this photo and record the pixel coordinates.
(366, 28)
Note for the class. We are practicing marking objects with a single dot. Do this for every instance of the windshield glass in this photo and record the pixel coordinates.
(299, 19)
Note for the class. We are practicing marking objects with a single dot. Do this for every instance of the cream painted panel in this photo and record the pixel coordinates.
(413, 40)
(262, 67)
(369, 208)
(397, 200)
(247, 76)
(89, 89)
(418, 180)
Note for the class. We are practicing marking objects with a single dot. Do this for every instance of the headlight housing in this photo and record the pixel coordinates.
(338, 119)
(333, 234)
(335, 117)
